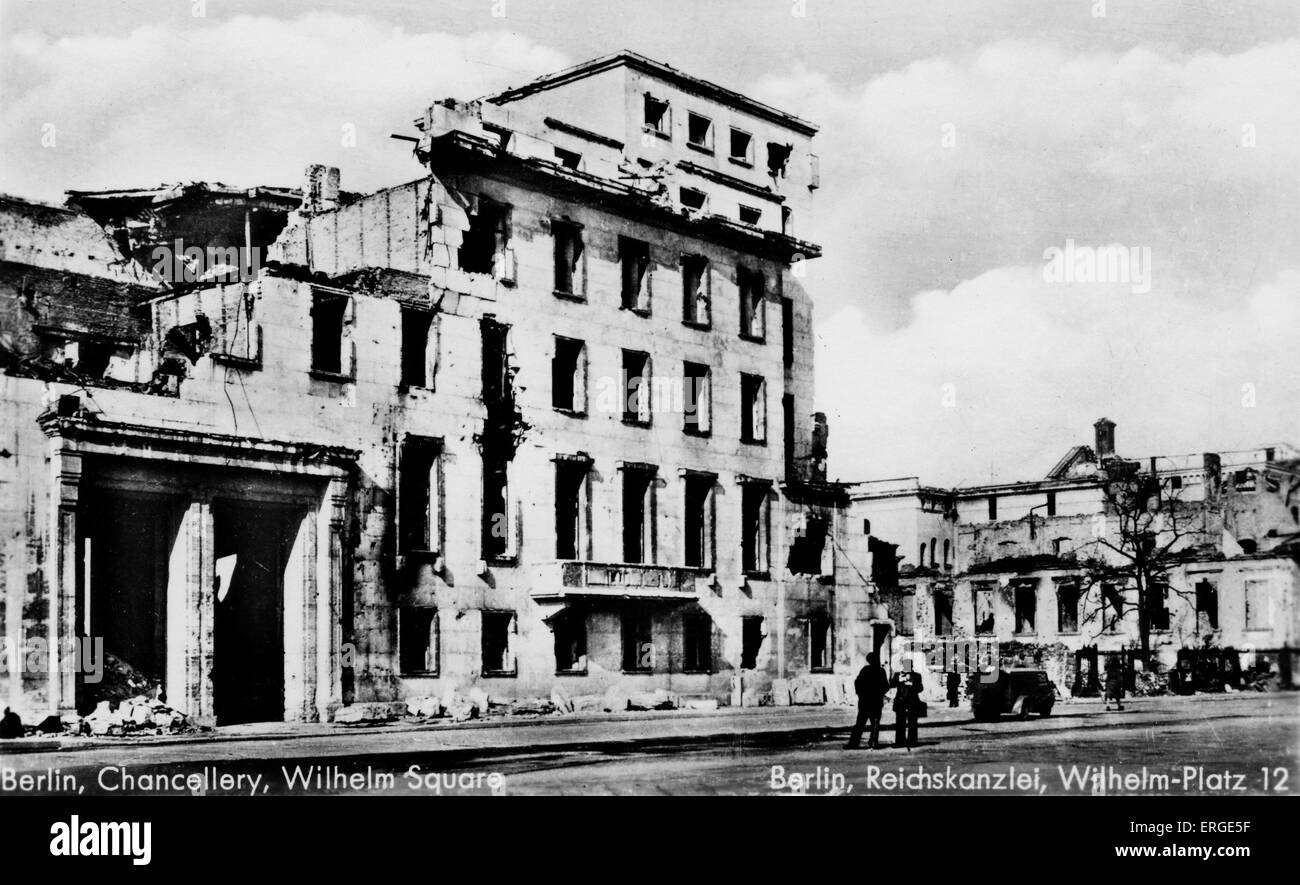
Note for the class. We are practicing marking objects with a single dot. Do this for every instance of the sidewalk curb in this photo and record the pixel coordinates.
(724, 714)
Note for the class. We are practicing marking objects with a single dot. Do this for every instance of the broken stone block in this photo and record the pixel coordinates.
(587, 703)
(140, 714)
(560, 701)
(530, 707)
(479, 698)
(614, 700)
(699, 703)
(426, 707)
(781, 692)
(804, 693)
(355, 714)
(652, 700)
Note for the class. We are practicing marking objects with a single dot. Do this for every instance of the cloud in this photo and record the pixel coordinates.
(249, 100)
(950, 167)
(935, 248)
(999, 376)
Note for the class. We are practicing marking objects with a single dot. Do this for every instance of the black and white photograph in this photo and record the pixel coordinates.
(750, 398)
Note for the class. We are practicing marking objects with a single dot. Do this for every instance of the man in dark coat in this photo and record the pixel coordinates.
(907, 704)
(1114, 684)
(954, 686)
(870, 686)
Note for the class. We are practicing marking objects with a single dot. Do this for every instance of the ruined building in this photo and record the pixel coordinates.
(1041, 574)
(538, 419)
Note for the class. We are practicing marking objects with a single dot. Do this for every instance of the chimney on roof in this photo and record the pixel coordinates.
(1105, 438)
(320, 188)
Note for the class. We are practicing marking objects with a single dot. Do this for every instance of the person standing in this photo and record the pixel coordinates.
(954, 686)
(1114, 683)
(870, 686)
(907, 704)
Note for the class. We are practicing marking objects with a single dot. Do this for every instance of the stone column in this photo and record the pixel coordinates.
(191, 600)
(300, 629)
(329, 595)
(62, 565)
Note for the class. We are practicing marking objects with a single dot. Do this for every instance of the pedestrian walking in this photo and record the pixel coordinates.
(954, 686)
(907, 704)
(871, 685)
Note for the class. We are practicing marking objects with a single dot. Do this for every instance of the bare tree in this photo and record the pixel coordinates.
(1144, 531)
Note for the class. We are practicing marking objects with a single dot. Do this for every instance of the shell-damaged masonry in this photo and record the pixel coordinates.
(534, 432)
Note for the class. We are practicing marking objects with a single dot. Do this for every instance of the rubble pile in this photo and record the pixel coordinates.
(138, 716)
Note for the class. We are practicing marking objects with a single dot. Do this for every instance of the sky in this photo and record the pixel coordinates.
(961, 143)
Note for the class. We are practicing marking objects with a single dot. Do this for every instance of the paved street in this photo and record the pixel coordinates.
(1234, 744)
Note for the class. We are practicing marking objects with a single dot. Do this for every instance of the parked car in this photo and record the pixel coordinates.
(1018, 692)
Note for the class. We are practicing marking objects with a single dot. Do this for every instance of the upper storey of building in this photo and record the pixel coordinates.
(626, 126)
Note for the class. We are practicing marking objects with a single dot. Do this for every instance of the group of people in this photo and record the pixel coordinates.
(872, 685)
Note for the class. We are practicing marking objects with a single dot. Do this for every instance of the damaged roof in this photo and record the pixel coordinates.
(627, 58)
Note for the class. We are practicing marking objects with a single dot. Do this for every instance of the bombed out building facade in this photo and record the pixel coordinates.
(1041, 574)
(539, 419)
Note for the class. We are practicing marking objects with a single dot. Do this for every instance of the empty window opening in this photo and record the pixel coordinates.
(943, 613)
(742, 147)
(754, 528)
(638, 642)
(984, 620)
(496, 528)
(947, 551)
(751, 641)
(1175, 483)
(787, 331)
(496, 361)
(486, 239)
(331, 314)
(636, 387)
(752, 317)
(572, 478)
(697, 643)
(699, 521)
(569, 375)
(1051, 503)
(693, 199)
(568, 159)
(419, 496)
(570, 275)
(778, 157)
(1112, 601)
(638, 515)
(866, 526)
(750, 215)
(1157, 599)
(787, 221)
(933, 544)
(634, 257)
(697, 396)
(1207, 607)
(417, 629)
(695, 290)
(753, 409)
(809, 547)
(1067, 608)
(699, 132)
(417, 351)
(820, 642)
(570, 627)
(993, 507)
(658, 117)
(1026, 608)
(499, 643)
